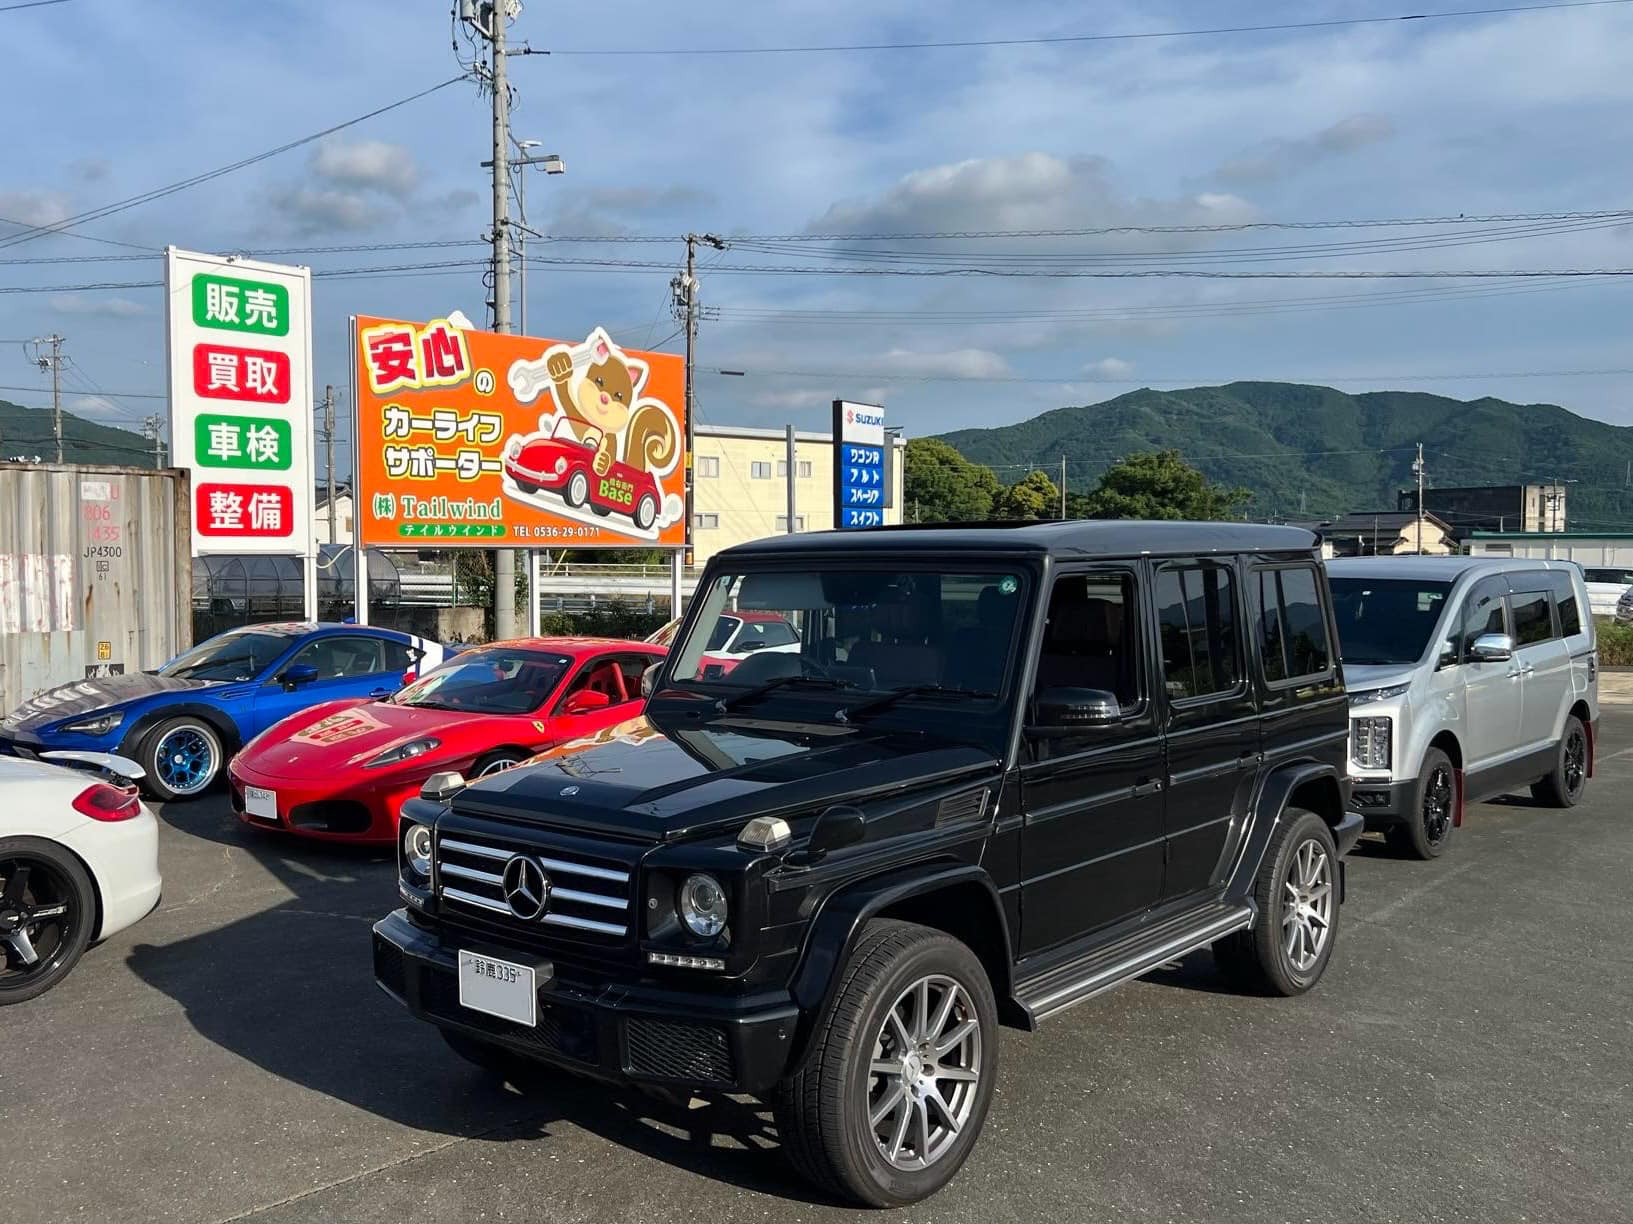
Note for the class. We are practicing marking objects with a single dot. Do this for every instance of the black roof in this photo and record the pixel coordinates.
(1071, 538)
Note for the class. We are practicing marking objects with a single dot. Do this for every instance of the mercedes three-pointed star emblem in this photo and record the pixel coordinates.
(526, 887)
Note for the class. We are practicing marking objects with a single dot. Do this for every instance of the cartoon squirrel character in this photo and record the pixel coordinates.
(599, 409)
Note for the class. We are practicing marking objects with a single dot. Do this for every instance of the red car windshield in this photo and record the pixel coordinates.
(502, 681)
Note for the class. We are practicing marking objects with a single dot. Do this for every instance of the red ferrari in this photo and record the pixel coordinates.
(342, 770)
(565, 467)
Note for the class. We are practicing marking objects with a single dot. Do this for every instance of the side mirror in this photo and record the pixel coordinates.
(1492, 648)
(585, 700)
(1061, 711)
(649, 679)
(837, 827)
(302, 673)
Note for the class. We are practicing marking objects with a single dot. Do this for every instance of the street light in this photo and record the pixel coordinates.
(550, 163)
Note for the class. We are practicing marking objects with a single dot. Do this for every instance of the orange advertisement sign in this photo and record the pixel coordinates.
(476, 438)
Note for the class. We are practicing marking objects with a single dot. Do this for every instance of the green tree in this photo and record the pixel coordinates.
(1158, 485)
(941, 486)
(1034, 496)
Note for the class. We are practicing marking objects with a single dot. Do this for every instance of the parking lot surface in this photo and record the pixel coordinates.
(1468, 1056)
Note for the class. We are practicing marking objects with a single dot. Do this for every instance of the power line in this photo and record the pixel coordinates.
(1079, 38)
(182, 184)
(29, 225)
(108, 394)
(12, 8)
(1192, 379)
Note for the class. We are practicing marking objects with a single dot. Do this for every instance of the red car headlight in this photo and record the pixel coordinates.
(403, 752)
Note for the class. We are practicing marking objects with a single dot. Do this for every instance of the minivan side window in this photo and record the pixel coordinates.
(1570, 613)
(1292, 626)
(1482, 614)
(1196, 613)
(1533, 621)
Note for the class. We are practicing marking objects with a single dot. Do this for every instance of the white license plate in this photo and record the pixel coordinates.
(259, 801)
(498, 988)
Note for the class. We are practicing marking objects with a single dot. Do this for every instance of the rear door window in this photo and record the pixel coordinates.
(1196, 612)
(1292, 625)
(1565, 603)
(1533, 620)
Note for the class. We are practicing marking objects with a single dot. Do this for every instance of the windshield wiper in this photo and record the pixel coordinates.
(916, 690)
(736, 699)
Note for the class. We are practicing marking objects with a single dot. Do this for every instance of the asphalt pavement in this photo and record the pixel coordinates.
(1469, 1056)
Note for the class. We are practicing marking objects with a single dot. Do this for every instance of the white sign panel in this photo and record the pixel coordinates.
(861, 475)
(240, 347)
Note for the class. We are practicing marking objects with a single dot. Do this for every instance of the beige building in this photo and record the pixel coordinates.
(740, 484)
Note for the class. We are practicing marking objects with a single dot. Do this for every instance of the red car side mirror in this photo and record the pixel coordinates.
(585, 700)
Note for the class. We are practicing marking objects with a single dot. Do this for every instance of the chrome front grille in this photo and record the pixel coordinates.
(584, 896)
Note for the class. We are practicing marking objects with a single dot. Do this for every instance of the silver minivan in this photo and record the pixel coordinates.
(1468, 677)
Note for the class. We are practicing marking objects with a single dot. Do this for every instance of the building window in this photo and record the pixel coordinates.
(705, 522)
(782, 522)
(804, 469)
(708, 465)
(760, 471)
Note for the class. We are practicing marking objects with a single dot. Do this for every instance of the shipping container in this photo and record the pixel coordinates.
(95, 573)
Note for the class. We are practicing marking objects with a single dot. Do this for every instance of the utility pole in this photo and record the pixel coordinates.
(54, 364)
(1417, 467)
(329, 453)
(1063, 488)
(153, 427)
(686, 303)
(793, 471)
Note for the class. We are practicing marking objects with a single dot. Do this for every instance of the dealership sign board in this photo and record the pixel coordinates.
(861, 475)
(468, 437)
(239, 337)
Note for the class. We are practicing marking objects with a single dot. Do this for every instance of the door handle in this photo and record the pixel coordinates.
(380, 692)
(1151, 787)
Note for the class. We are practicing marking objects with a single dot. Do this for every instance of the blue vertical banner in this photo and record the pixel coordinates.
(861, 475)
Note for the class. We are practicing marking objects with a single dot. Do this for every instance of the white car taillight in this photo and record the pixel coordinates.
(108, 803)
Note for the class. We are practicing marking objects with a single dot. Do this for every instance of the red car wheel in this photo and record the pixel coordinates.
(578, 489)
(646, 510)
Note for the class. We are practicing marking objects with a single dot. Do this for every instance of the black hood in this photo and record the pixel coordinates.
(662, 784)
(86, 696)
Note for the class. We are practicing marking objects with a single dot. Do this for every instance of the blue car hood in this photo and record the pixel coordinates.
(86, 696)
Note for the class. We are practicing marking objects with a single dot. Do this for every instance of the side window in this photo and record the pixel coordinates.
(777, 633)
(1533, 622)
(1090, 641)
(1482, 614)
(1565, 601)
(399, 656)
(342, 655)
(1196, 615)
(599, 675)
(1293, 625)
(634, 667)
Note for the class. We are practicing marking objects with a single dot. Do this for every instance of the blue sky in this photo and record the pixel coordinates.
(1521, 113)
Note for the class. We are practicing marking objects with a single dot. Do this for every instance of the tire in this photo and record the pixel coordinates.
(577, 491)
(190, 762)
(497, 762)
(525, 486)
(601, 511)
(646, 510)
(1564, 786)
(823, 1108)
(495, 1059)
(41, 875)
(1434, 808)
(1259, 959)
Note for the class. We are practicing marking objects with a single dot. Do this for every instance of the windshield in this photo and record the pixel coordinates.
(856, 634)
(499, 681)
(231, 656)
(1386, 620)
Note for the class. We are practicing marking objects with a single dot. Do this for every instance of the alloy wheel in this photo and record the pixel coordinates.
(1307, 906)
(186, 760)
(924, 1073)
(1576, 760)
(36, 918)
(1438, 798)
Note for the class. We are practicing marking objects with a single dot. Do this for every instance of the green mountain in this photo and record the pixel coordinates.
(1314, 452)
(27, 432)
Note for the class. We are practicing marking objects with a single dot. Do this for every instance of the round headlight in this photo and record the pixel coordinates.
(417, 849)
(561, 466)
(703, 906)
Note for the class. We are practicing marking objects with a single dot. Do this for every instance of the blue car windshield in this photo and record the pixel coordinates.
(231, 656)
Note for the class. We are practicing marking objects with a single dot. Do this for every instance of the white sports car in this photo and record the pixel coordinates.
(79, 860)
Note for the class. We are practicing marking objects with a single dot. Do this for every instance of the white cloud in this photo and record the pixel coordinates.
(87, 304)
(953, 363)
(33, 207)
(94, 406)
(1273, 159)
(1110, 368)
(311, 210)
(367, 165)
(793, 400)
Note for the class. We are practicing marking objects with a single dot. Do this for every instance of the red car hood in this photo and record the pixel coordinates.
(339, 737)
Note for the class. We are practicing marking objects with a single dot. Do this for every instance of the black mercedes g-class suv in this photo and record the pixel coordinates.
(1006, 768)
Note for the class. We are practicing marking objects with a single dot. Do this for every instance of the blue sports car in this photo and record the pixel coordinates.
(183, 721)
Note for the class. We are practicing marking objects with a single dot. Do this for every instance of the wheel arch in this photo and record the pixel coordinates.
(90, 874)
(1446, 740)
(957, 899)
(1310, 785)
(521, 750)
(220, 722)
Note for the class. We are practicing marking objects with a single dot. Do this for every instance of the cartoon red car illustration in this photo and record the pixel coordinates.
(565, 466)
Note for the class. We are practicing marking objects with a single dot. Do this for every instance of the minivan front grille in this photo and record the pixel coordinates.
(583, 896)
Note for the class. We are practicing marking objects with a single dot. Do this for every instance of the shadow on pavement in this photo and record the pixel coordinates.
(291, 990)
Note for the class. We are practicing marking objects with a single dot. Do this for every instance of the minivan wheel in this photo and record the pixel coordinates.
(893, 1092)
(1429, 826)
(1564, 786)
(1286, 951)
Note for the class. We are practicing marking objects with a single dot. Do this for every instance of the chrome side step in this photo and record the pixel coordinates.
(1098, 973)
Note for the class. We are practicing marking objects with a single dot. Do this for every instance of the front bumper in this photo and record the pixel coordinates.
(619, 1032)
(1382, 804)
(365, 814)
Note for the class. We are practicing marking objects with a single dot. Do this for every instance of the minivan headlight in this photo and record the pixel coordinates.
(1367, 696)
(1369, 742)
(702, 906)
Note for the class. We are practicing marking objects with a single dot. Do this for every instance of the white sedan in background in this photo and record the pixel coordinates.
(79, 860)
(1606, 587)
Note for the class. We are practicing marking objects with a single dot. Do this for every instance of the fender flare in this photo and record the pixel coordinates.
(838, 925)
(224, 726)
(1269, 806)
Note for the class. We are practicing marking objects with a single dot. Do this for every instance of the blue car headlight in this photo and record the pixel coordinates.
(96, 724)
